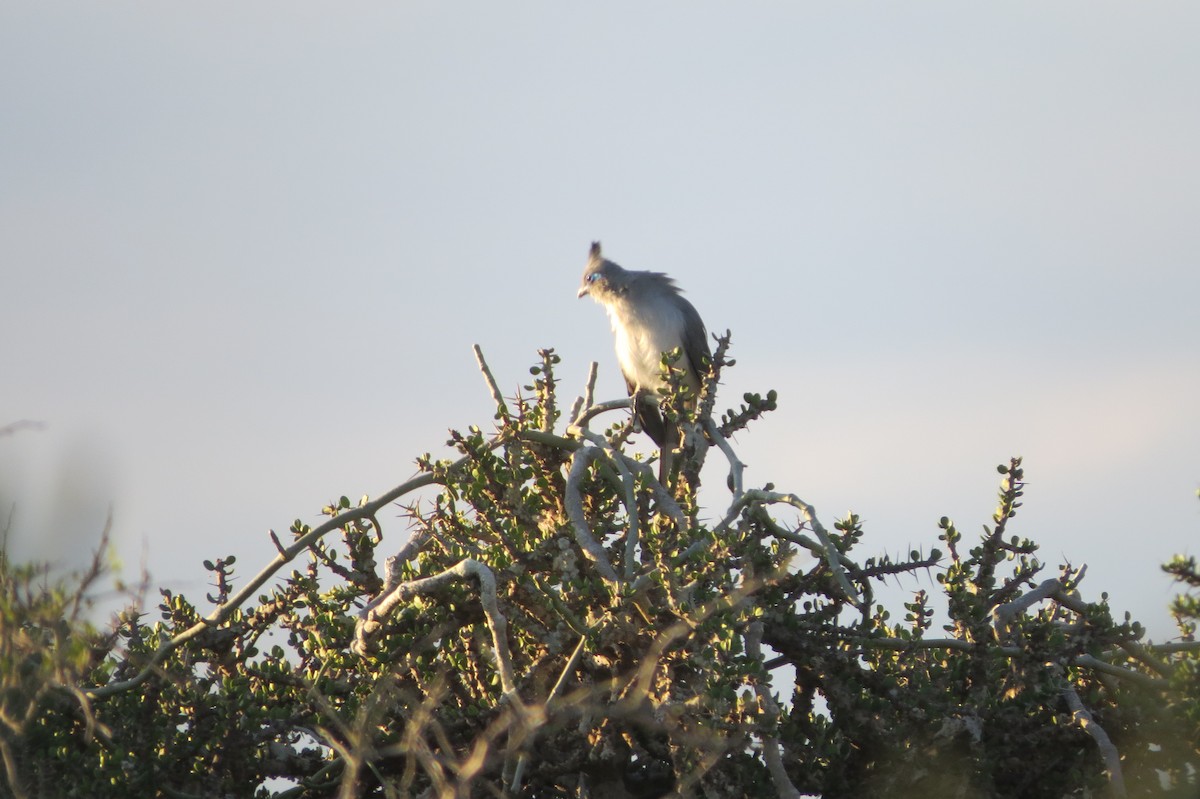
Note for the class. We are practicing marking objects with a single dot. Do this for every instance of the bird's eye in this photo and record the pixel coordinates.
(593, 277)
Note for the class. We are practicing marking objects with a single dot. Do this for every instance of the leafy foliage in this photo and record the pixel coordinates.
(559, 623)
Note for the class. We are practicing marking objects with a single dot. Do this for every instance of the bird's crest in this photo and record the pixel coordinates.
(595, 251)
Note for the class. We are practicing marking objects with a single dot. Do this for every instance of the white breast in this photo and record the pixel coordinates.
(643, 338)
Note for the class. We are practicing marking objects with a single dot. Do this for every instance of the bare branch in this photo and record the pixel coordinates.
(1002, 615)
(628, 498)
(584, 402)
(592, 411)
(1147, 657)
(574, 506)
(772, 750)
(222, 612)
(497, 397)
(708, 392)
(1112, 758)
(736, 467)
(833, 558)
(369, 617)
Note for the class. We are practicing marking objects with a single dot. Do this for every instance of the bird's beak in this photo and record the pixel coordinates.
(582, 290)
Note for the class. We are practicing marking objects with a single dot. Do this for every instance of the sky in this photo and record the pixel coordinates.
(245, 250)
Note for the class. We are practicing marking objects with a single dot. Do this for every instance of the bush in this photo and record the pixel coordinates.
(560, 623)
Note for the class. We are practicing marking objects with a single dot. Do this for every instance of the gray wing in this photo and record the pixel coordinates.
(695, 340)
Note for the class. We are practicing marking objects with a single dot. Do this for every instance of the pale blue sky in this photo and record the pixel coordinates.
(245, 249)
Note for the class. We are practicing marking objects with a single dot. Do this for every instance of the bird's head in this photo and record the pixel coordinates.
(602, 279)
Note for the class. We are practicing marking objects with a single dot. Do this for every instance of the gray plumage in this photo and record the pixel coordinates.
(649, 316)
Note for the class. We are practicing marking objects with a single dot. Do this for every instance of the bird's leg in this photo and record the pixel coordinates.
(636, 398)
(667, 450)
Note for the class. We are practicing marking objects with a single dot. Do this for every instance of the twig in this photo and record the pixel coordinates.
(574, 506)
(628, 499)
(736, 467)
(1096, 664)
(584, 402)
(568, 670)
(1112, 758)
(589, 388)
(832, 556)
(576, 409)
(666, 502)
(368, 621)
(772, 750)
(550, 398)
(391, 570)
(1146, 656)
(640, 685)
(497, 397)
(593, 411)
(1002, 615)
(222, 612)
(1173, 647)
(814, 548)
(578, 430)
(708, 392)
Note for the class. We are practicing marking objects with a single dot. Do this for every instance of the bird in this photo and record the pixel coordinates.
(649, 317)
